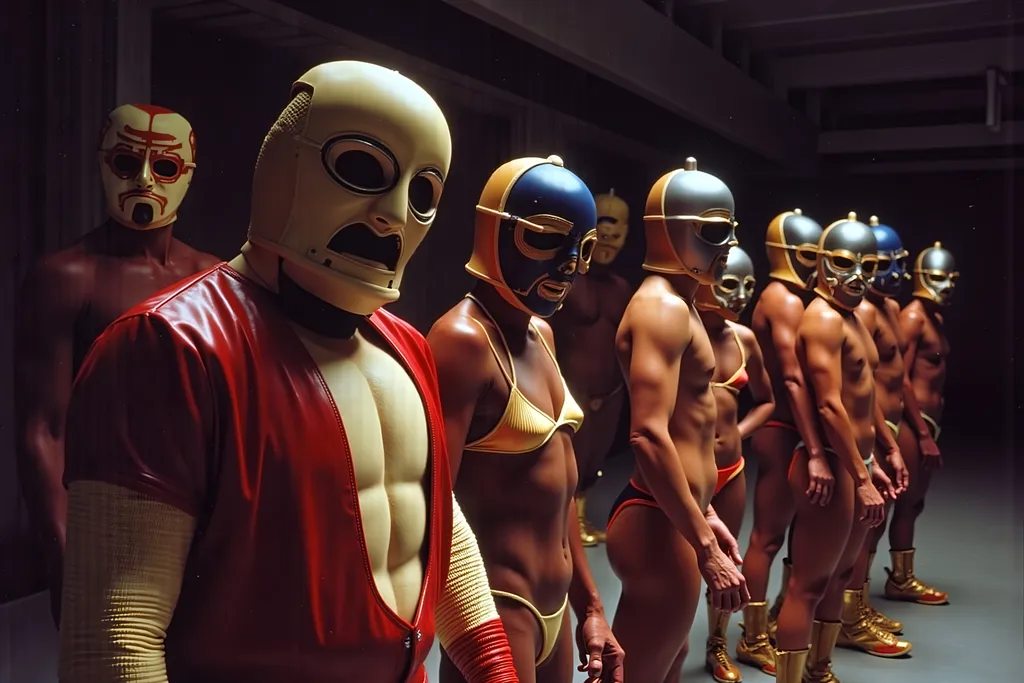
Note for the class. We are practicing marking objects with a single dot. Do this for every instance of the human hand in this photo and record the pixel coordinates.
(872, 504)
(726, 541)
(883, 483)
(931, 458)
(600, 654)
(727, 585)
(822, 482)
(895, 459)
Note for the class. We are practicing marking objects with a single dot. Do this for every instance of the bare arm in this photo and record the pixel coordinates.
(760, 387)
(653, 368)
(460, 356)
(49, 304)
(821, 337)
(911, 324)
(583, 594)
(784, 335)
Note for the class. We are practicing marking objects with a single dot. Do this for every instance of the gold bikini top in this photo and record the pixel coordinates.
(523, 427)
(739, 378)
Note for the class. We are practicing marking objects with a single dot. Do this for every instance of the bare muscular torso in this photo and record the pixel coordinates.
(881, 318)
(768, 312)
(518, 504)
(386, 426)
(692, 423)
(859, 359)
(585, 328)
(728, 445)
(928, 371)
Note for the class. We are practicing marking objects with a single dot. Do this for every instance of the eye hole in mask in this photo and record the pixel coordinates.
(715, 233)
(360, 164)
(126, 165)
(869, 266)
(884, 263)
(750, 283)
(541, 237)
(424, 193)
(587, 245)
(807, 256)
(729, 284)
(941, 279)
(901, 263)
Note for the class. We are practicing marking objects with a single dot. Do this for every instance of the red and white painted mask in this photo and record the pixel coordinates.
(147, 155)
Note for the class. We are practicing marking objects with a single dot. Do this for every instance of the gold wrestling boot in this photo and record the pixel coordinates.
(789, 665)
(716, 659)
(860, 633)
(877, 618)
(819, 659)
(590, 535)
(754, 648)
(902, 585)
(773, 613)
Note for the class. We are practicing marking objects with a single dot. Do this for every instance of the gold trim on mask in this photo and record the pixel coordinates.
(780, 265)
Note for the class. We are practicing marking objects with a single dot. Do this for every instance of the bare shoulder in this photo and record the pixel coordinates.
(65, 276)
(745, 334)
(892, 307)
(456, 339)
(821, 320)
(200, 260)
(544, 329)
(657, 313)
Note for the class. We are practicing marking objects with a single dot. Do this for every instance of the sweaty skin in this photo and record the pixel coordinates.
(927, 348)
(66, 301)
(776, 318)
(838, 358)
(520, 505)
(585, 327)
(661, 553)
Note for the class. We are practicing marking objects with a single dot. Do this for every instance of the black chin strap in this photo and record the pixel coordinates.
(313, 313)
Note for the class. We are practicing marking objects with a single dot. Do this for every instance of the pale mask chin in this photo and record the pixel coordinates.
(604, 255)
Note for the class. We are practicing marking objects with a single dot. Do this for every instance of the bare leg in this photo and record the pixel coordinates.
(773, 506)
(729, 504)
(560, 664)
(675, 672)
(660, 590)
(903, 584)
(820, 536)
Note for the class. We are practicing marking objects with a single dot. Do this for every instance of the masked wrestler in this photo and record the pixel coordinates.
(509, 418)
(879, 313)
(923, 327)
(585, 330)
(838, 360)
(738, 364)
(792, 245)
(663, 533)
(147, 157)
(266, 495)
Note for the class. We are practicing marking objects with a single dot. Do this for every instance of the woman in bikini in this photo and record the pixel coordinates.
(509, 419)
(738, 364)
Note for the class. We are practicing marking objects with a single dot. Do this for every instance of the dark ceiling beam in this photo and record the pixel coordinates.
(957, 136)
(642, 51)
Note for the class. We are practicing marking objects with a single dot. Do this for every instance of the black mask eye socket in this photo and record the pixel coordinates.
(360, 164)
(424, 193)
(166, 169)
(544, 241)
(750, 284)
(126, 165)
(842, 263)
(869, 267)
(729, 284)
(884, 264)
(714, 233)
(901, 263)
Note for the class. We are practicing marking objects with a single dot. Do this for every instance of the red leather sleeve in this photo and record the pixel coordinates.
(483, 655)
(140, 414)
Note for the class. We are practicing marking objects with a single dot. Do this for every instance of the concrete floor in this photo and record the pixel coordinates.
(970, 543)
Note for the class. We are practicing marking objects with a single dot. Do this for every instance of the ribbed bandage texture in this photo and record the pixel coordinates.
(125, 558)
(290, 120)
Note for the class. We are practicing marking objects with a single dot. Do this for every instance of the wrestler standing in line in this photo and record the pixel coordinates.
(266, 496)
(509, 419)
(663, 534)
(923, 326)
(585, 331)
(792, 245)
(880, 313)
(838, 359)
(738, 364)
(147, 158)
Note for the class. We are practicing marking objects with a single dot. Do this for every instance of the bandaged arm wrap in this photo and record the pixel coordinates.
(125, 560)
(468, 625)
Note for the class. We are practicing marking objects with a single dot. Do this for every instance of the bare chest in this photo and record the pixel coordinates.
(592, 302)
(860, 357)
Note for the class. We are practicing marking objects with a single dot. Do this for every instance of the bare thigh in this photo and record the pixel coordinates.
(730, 502)
(558, 667)
(820, 534)
(660, 590)
(524, 640)
(920, 476)
(773, 502)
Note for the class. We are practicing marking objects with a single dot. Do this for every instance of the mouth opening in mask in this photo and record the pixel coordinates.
(552, 290)
(361, 244)
(142, 214)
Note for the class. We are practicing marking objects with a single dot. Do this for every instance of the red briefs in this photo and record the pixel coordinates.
(727, 474)
(210, 403)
